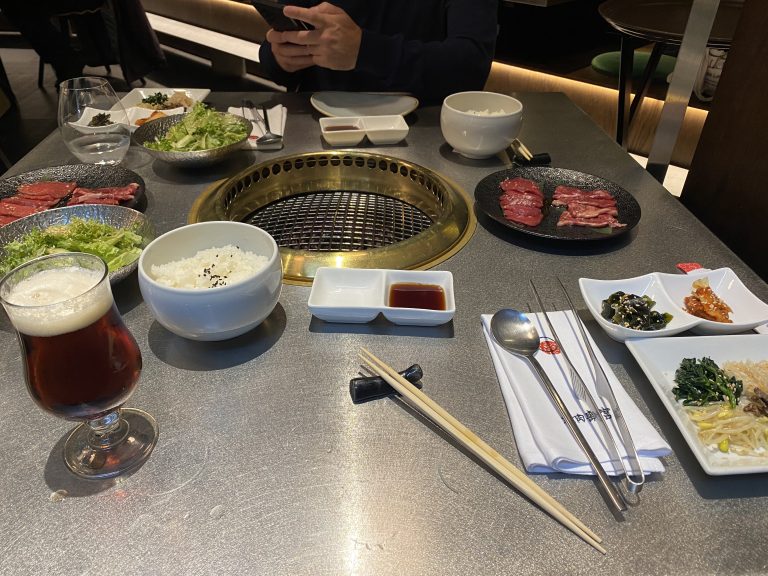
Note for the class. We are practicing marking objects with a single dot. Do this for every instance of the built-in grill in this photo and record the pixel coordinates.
(345, 208)
(339, 220)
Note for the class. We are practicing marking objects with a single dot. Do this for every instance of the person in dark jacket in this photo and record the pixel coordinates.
(429, 48)
(120, 28)
(33, 18)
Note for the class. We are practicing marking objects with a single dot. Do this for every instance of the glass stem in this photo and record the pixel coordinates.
(107, 431)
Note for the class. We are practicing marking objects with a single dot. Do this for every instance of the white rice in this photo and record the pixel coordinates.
(486, 112)
(210, 268)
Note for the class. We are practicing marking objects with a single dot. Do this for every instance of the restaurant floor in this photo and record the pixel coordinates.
(34, 116)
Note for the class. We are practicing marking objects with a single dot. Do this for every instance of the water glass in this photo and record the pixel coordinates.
(92, 121)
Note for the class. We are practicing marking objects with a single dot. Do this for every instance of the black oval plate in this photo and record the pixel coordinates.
(86, 175)
(488, 191)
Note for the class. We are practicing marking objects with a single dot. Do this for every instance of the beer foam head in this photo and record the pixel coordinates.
(58, 300)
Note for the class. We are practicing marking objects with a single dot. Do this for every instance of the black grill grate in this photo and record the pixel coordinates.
(339, 221)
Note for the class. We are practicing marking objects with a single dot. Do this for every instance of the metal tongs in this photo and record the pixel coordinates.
(634, 478)
(268, 140)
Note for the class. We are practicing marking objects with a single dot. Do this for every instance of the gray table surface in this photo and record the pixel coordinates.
(264, 465)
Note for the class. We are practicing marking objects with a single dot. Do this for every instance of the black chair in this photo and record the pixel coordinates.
(88, 35)
(641, 22)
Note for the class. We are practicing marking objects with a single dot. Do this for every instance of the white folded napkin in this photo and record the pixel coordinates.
(277, 116)
(543, 440)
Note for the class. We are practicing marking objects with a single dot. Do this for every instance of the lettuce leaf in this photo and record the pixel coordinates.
(118, 247)
(201, 129)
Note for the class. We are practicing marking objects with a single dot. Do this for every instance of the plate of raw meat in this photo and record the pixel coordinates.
(69, 185)
(557, 203)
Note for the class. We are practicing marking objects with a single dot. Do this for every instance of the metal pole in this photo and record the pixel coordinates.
(689, 59)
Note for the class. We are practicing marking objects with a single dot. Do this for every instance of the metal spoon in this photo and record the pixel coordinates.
(515, 332)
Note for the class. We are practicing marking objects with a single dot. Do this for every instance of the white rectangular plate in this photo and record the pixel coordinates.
(660, 357)
(135, 96)
(358, 295)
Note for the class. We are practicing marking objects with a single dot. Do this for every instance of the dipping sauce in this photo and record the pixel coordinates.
(339, 128)
(413, 295)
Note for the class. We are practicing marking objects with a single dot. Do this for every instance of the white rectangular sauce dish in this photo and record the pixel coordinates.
(350, 130)
(355, 295)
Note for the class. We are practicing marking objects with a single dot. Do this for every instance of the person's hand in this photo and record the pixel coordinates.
(333, 44)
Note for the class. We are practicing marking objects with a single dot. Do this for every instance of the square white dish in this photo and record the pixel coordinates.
(659, 358)
(748, 310)
(358, 295)
(383, 130)
(135, 96)
(595, 291)
(350, 295)
(330, 129)
(420, 316)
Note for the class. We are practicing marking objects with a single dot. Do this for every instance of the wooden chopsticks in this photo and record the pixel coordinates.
(522, 150)
(479, 448)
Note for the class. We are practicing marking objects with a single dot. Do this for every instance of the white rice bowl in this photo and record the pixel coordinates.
(237, 293)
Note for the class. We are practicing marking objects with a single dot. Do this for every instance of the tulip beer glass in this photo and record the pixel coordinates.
(80, 361)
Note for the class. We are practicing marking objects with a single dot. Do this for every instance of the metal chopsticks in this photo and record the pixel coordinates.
(634, 478)
(577, 384)
(634, 481)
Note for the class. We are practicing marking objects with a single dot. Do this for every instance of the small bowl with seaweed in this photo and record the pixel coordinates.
(634, 307)
(115, 233)
(200, 137)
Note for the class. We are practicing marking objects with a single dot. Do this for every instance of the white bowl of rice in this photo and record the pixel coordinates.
(480, 124)
(211, 280)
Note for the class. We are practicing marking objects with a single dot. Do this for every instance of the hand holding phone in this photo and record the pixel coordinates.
(272, 12)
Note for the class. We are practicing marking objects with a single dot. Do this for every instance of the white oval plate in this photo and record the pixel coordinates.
(363, 104)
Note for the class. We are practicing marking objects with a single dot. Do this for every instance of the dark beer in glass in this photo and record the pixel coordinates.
(80, 360)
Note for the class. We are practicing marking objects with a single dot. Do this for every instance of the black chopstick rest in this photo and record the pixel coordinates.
(540, 159)
(372, 387)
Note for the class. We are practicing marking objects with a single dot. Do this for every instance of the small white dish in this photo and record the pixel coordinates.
(135, 96)
(350, 295)
(342, 131)
(419, 316)
(357, 295)
(82, 124)
(669, 292)
(350, 130)
(383, 130)
(595, 291)
(659, 358)
(135, 113)
(748, 310)
(344, 104)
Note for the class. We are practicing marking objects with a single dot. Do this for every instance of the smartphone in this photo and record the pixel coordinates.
(272, 12)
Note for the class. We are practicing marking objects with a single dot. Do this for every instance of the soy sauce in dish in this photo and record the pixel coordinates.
(339, 128)
(414, 295)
